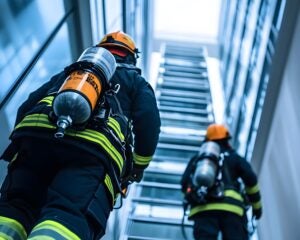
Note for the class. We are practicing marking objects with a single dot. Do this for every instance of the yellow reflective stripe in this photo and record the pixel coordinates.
(141, 160)
(96, 137)
(116, 127)
(217, 206)
(41, 237)
(256, 205)
(48, 100)
(36, 124)
(14, 225)
(109, 185)
(252, 190)
(36, 120)
(14, 158)
(233, 194)
(38, 117)
(3, 236)
(41, 120)
(56, 227)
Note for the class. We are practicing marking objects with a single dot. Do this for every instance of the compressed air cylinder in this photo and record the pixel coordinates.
(207, 165)
(87, 80)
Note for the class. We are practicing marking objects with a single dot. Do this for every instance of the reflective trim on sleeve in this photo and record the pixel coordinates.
(109, 186)
(48, 100)
(14, 158)
(12, 229)
(217, 206)
(4, 236)
(141, 160)
(256, 205)
(50, 229)
(252, 190)
(116, 127)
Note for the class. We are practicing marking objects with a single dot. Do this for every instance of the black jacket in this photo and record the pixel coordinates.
(235, 168)
(136, 98)
(138, 103)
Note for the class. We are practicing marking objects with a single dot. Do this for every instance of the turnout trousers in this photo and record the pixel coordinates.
(207, 226)
(53, 191)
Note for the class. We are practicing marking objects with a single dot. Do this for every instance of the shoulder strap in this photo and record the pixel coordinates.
(116, 110)
(113, 102)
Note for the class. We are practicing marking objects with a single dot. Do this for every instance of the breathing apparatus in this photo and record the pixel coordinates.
(88, 79)
(207, 177)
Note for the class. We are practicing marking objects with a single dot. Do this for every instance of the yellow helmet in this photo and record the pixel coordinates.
(216, 132)
(119, 39)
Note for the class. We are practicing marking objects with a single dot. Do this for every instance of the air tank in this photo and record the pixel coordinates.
(87, 80)
(207, 165)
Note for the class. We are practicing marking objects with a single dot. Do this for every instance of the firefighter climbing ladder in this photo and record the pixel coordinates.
(185, 105)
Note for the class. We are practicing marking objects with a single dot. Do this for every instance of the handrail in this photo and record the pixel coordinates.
(36, 57)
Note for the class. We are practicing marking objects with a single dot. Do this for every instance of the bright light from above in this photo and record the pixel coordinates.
(187, 18)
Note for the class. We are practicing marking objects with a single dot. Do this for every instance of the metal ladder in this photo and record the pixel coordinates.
(185, 104)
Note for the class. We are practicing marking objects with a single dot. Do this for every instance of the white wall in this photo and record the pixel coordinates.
(280, 171)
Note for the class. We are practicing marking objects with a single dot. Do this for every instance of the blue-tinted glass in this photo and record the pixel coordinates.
(113, 15)
(56, 57)
(24, 27)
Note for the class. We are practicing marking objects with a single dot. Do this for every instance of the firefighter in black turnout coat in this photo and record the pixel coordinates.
(64, 187)
(221, 207)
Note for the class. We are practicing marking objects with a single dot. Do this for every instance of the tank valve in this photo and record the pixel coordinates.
(62, 123)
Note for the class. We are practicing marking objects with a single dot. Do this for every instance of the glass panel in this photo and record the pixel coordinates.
(24, 26)
(56, 57)
(257, 77)
(231, 15)
(235, 48)
(97, 15)
(237, 104)
(113, 9)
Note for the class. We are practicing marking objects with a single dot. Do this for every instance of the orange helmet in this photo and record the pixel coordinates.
(216, 132)
(119, 39)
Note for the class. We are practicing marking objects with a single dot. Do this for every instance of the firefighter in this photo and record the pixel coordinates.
(66, 187)
(223, 206)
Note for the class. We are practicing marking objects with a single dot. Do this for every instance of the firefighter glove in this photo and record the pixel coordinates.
(257, 213)
(136, 174)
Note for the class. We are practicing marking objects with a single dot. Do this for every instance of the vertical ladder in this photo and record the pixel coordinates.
(185, 105)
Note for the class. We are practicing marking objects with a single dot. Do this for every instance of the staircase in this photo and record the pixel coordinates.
(184, 100)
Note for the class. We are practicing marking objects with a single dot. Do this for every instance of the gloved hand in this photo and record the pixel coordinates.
(136, 174)
(257, 213)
